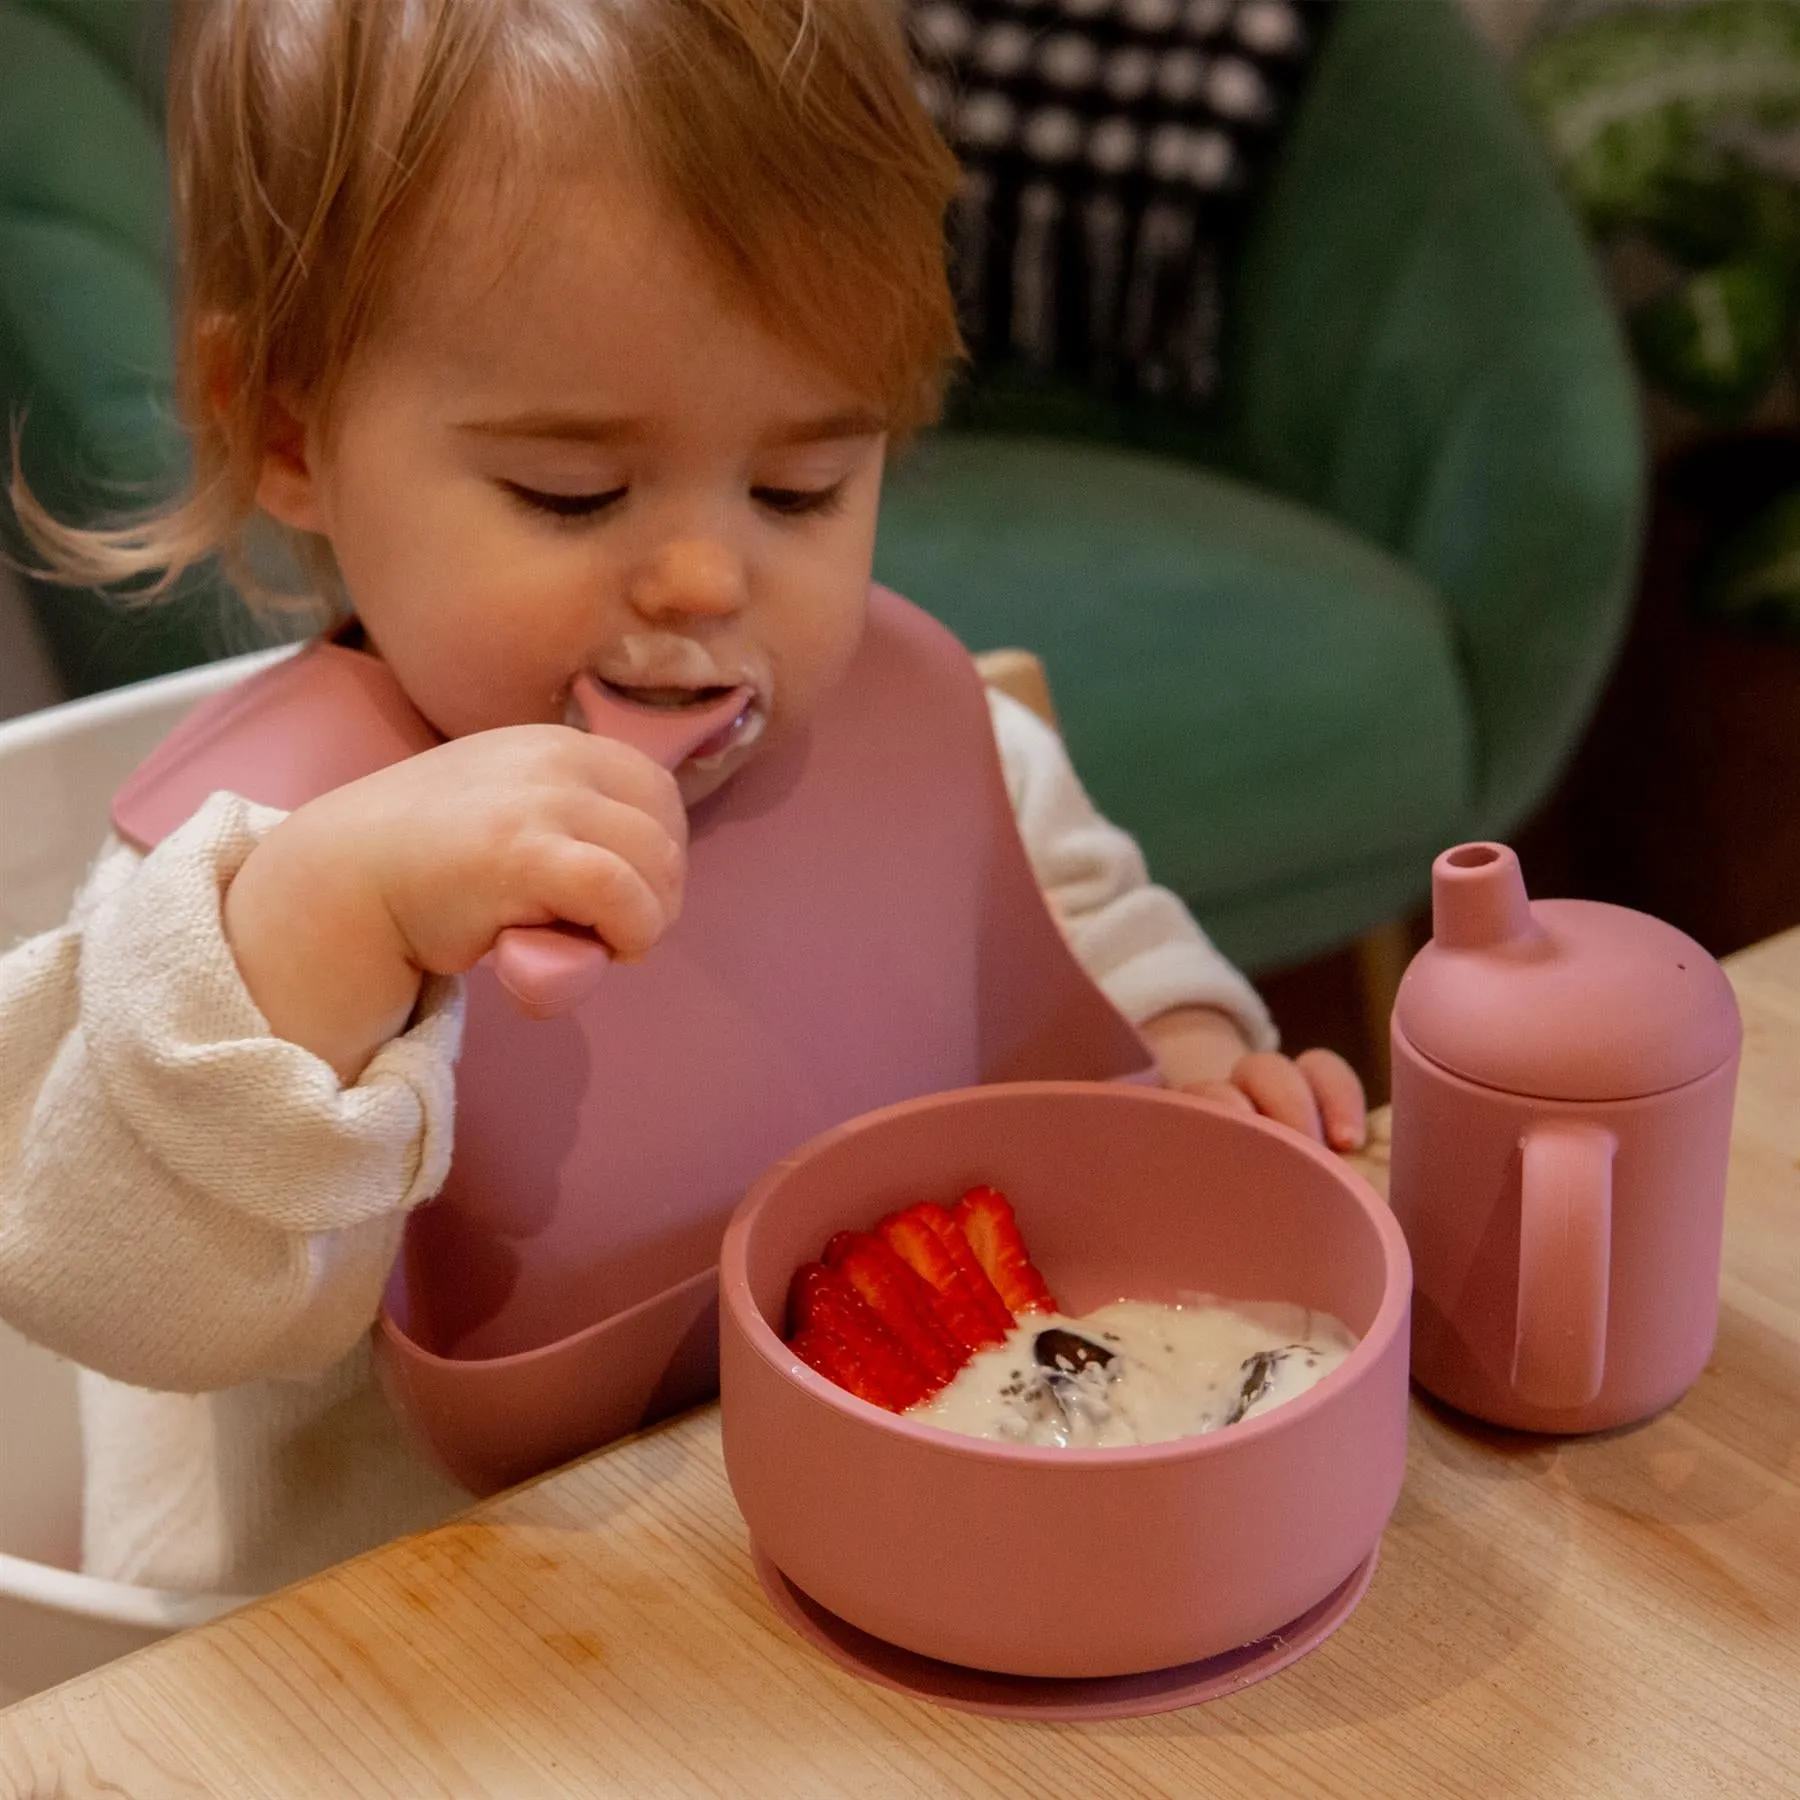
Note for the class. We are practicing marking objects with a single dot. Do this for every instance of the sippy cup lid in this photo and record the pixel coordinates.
(1559, 999)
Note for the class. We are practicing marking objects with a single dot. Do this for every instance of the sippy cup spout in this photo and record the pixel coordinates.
(1478, 899)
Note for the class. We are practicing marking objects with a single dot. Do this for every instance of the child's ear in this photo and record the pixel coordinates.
(286, 487)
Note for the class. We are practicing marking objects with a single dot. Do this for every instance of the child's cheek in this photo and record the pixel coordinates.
(829, 650)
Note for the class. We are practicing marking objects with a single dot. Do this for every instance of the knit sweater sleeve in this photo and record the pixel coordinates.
(186, 1200)
(1137, 941)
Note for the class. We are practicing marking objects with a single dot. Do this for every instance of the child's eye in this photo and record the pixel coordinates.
(563, 506)
(799, 502)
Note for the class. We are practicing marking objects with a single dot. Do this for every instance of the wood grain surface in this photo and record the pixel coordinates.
(1616, 1615)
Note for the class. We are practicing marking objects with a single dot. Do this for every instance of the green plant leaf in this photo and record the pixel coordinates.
(1626, 97)
(1718, 208)
(1715, 341)
(1754, 579)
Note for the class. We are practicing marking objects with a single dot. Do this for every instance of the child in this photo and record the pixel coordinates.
(562, 338)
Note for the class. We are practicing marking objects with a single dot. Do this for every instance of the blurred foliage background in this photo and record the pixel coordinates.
(1675, 125)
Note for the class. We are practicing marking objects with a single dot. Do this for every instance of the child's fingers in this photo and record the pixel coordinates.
(588, 885)
(1222, 1095)
(1280, 1092)
(637, 836)
(621, 773)
(1340, 1097)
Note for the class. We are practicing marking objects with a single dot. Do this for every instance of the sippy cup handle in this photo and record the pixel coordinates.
(547, 969)
(1565, 1258)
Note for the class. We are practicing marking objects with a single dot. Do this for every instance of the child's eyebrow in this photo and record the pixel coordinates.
(858, 423)
(574, 427)
(585, 428)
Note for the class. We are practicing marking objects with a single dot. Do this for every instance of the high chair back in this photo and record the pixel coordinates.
(58, 770)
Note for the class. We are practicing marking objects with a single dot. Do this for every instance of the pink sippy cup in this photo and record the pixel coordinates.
(1563, 1081)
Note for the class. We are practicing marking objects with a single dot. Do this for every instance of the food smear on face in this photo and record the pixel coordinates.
(1137, 1372)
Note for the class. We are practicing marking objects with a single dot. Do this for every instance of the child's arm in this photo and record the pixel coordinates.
(214, 1112)
(186, 1200)
(1209, 1029)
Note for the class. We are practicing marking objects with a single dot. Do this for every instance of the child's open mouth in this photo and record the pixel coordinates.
(666, 698)
(742, 727)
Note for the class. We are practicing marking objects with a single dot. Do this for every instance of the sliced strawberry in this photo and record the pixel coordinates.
(836, 1361)
(821, 1301)
(927, 1240)
(986, 1217)
(902, 1300)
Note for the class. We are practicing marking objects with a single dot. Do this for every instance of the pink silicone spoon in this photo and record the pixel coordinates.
(546, 969)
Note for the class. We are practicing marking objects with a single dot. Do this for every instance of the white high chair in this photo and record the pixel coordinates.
(58, 771)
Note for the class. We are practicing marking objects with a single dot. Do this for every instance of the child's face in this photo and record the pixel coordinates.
(588, 460)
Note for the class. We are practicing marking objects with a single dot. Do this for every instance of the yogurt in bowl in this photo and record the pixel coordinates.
(1138, 1372)
(1062, 1559)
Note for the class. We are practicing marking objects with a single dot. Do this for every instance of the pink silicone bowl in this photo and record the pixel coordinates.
(1087, 1562)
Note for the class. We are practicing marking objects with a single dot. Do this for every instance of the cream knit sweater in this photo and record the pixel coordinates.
(199, 1214)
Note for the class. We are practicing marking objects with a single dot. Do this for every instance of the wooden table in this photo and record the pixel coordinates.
(1611, 1616)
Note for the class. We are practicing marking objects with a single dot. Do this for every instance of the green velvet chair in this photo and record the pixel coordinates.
(1299, 649)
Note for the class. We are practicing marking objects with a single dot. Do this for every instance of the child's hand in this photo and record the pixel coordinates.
(1200, 1051)
(1316, 1092)
(416, 869)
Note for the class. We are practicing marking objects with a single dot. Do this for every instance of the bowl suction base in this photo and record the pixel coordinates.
(1046, 1697)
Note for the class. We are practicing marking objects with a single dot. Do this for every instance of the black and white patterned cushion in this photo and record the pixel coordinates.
(1111, 150)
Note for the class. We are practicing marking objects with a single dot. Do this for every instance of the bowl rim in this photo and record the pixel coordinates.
(1390, 1321)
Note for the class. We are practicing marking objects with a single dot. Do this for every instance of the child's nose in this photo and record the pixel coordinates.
(690, 575)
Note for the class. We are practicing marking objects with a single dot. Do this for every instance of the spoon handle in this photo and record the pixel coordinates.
(548, 969)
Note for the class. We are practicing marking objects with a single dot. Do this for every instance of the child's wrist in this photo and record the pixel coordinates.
(1195, 1045)
(318, 951)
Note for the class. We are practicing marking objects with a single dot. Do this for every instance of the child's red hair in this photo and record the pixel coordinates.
(313, 143)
